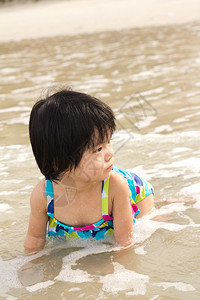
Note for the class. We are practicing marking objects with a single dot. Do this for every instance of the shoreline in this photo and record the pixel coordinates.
(54, 18)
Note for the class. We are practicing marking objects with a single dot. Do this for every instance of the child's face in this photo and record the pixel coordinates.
(97, 163)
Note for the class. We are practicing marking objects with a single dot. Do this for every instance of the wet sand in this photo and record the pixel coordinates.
(47, 19)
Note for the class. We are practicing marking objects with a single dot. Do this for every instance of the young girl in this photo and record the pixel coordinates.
(83, 194)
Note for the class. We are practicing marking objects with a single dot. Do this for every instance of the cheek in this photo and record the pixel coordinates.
(90, 164)
(99, 161)
(94, 165)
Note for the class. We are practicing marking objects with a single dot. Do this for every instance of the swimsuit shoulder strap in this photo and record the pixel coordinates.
(50, 200)
(104, 200)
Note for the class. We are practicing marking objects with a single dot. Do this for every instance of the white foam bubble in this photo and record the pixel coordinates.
(40, 285)
(6, 71)
(155, 297)
(4, 207)
(11, 147)
(9, 272)
(197, 204)
(192, 94)
(8, 276)
(180, 149)
(15, 109)
(180, 286)
(146, 122)
(74, 289)
(124, 280)
(23, 90)
(164, 127)
(192, 190)
(146, 226)
(78, 276)
(156, 90)
(167, 209)
(11, 298)
(23, 119)
(124, 134)
(191, 163)
(181, 120)
(140, 250)
(174, 135)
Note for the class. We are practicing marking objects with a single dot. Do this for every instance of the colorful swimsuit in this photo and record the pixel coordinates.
(138, 188)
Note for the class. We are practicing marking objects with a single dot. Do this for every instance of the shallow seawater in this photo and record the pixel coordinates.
(150, 77)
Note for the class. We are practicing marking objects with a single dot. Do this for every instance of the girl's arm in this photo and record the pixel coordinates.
(36, 235)
(122, 211)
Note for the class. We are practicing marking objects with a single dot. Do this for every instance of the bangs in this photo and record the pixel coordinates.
(99, 124)
(100, 137)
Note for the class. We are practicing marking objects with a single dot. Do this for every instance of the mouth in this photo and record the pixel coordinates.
(110, 168)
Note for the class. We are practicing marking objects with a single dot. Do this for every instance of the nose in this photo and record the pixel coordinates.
(108, 153)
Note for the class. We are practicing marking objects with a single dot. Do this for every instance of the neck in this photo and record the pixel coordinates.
(70, 181)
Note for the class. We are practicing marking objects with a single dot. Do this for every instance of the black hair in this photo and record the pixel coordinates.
(63, 126)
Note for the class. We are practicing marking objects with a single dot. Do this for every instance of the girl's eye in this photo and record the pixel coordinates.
(99, 149)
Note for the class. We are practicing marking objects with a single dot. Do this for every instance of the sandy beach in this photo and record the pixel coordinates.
(47, 19)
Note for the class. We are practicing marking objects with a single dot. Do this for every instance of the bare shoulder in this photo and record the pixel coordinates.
(38, 195)
(117, 178)
(118, 184)
(39, 189)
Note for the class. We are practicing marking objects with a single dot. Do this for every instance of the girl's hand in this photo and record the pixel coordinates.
(36, 235)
